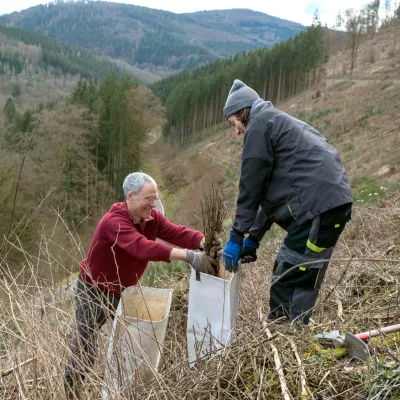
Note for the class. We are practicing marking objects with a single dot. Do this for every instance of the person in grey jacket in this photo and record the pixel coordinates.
(291, 176)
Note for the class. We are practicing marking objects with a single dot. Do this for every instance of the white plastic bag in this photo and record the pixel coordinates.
(213, 309)
(137, 338)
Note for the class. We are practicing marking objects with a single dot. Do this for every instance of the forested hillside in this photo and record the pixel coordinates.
(194, 100)
(36, 69)
(257, 25)
(156, 40)
(49, 54)
(73, 157)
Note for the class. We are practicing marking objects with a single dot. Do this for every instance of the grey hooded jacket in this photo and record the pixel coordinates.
(290, 173)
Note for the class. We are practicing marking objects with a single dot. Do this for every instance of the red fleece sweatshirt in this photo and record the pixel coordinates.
(120, 248)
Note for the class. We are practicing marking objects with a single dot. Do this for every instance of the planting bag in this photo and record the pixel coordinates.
(213, 309)
(137, 338)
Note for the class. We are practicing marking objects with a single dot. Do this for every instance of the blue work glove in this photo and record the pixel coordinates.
(249, 251)
(230, 256)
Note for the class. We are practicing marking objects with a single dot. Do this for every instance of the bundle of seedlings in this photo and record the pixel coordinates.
(213, 213)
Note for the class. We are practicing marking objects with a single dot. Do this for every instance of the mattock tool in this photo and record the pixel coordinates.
(355, 345)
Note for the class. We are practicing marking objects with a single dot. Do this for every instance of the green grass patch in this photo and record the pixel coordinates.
(351, 146)
(170, 201)
(395, 160)
(232, 173)
(317, 118)
(314, 114)
(159, 271)
(69, 278)
(369, 112)
(339, 129)
(368, 191)
(270, 236)
(322, 112)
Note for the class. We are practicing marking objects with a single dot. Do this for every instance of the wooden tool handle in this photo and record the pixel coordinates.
(377, 332)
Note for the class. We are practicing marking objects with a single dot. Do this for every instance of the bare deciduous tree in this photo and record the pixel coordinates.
(354, 23)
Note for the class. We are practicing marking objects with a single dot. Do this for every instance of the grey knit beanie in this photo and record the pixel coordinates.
(240, 96)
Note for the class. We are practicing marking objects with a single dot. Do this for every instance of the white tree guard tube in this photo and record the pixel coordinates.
(160, 206)
(137, 338)
(212, 314)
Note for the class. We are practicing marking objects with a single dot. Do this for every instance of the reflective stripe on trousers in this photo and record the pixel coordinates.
(295, 288)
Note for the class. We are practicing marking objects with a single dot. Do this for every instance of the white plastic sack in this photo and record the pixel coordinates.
(213, 309)
(137, 337)
(160, 206)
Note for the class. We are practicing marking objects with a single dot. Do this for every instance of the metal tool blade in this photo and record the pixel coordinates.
(356, 347)
(331, 338)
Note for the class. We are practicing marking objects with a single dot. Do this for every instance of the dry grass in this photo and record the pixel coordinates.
(38, 323)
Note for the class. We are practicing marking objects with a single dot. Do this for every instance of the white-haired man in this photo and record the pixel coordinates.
(122, 245)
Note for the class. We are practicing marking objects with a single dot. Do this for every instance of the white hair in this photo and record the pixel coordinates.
(135, 181)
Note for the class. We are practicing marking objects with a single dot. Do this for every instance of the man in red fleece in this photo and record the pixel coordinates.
(122, 245)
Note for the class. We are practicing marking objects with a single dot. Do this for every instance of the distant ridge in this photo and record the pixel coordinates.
(158, 41)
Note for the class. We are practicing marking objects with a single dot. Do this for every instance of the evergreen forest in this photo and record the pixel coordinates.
(50, 55)
(194, 99)
(158, 41)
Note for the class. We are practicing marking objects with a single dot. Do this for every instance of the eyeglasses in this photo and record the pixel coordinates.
(150, 199)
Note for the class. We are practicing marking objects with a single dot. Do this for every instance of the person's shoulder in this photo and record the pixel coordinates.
(117, 211)
(261, 105)
(117, 208)
(264, 112)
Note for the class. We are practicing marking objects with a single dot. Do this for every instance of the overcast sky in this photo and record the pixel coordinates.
(301, 11)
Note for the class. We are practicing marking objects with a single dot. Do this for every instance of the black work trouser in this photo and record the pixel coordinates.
(294, 291)
(93, 308)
